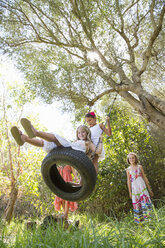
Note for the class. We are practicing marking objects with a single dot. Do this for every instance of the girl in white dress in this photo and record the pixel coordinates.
(137, 186)
(49, 141)
(96, 132)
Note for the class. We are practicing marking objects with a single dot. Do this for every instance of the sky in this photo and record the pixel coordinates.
(49, 115)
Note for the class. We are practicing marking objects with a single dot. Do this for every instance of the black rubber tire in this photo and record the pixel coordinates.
(76, 159)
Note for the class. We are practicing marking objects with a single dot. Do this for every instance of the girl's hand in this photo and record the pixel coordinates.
(107, 130)
(130, 195)
(102, 126)
(87, 143)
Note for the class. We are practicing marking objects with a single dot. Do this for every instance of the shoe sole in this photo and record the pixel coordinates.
(16, 135)
(27, 126)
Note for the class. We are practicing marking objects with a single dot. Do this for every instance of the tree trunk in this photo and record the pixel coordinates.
(146, 108)
(8, 212)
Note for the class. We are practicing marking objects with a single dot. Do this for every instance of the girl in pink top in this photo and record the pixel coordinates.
(65, 172)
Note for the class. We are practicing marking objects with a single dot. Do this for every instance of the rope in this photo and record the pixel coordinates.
(93, 154)
(111, 107)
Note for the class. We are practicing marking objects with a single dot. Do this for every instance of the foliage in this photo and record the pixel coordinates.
(91, 233)
(111, 194)
(129, 133)
(20, 166)
(78, 51)
(34, 197)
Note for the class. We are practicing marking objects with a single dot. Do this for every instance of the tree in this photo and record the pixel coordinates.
(81, 50)
(10, 163)
(19, 170)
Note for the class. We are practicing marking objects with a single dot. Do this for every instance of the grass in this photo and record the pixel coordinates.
(92, 233)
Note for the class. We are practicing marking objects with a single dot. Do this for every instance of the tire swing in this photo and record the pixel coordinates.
(62, 156)
(76, 159)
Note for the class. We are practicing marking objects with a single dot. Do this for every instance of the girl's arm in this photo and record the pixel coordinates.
(129, 183)
(107, 130)
(90, 146)
(146, 181)
(100, 146)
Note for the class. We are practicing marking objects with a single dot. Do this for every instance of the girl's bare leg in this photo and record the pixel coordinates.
(95, 163)
(35, 142)
(66, 210)
(46, 136)
(63, 205)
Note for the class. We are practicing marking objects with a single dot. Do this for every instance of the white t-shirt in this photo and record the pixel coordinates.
(96, 132)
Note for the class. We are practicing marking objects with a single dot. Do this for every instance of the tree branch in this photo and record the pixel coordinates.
(154, 101)
(91, 103)
(152, 14)
(12, 178)
(147, 52)
(77, 14)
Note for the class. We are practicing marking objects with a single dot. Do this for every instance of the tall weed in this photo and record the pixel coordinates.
(90, 234)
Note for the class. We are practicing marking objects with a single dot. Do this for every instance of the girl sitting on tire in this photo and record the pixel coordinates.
(49, 141)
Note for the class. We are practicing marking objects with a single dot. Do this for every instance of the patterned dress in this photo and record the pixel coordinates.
(66, 174)
(141, 201)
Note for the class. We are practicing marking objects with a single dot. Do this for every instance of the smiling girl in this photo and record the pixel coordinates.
(137, 186)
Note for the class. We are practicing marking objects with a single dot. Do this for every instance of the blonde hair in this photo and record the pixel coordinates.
(136, 158)
(87, 130)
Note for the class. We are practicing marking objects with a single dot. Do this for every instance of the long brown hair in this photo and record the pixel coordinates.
(84, 127)
(136, 158)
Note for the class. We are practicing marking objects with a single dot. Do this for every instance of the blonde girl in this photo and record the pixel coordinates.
(50, 141)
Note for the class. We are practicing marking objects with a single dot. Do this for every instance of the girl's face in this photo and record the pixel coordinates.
(132, 159)
(90, 121)
(81, 133)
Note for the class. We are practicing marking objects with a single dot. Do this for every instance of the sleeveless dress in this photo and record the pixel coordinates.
(141, 201)
(77, 145)
(96, 132)
(65, 172)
